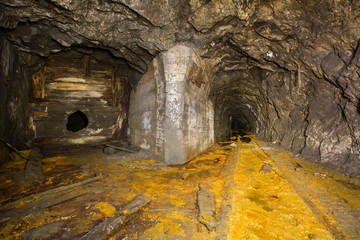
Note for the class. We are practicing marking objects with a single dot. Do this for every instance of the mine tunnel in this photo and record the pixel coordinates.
(179, 119)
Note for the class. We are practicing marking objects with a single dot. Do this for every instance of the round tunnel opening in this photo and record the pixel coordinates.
(240, 127)
(237, 124)
(240, 124)
(77, 121)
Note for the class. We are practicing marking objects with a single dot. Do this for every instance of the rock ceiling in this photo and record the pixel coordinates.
(269, 34)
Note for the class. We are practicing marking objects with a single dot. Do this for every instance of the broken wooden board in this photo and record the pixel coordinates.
(110, 225)
(206, 205)
(12, 148)
(33, 170)
(39, 205)
(119, 148)
(50, 192)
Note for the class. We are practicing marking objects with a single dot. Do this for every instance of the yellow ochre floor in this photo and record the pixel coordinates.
(257, 192)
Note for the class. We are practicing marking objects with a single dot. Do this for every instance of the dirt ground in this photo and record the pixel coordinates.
(257, 192)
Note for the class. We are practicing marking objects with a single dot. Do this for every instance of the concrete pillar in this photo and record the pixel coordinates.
(170, 112)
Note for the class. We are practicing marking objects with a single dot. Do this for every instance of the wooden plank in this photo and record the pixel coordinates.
(206, 205)
(119, 148)
(12, 148)
(51, 191)
(38, 114)
(39, 205)
(66, 86)
(57, 94)
(66, 71)
(33, 170)
(111, 225)
(87, 80)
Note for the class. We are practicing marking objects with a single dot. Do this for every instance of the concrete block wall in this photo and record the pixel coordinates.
(170, 112)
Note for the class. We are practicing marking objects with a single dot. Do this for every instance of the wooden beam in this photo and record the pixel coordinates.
(111, 225)
(39, 205)
(51, 191)
(120, 148)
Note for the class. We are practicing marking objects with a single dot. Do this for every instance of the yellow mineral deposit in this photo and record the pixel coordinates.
(107, 209)
(264, 205)
(164, 228)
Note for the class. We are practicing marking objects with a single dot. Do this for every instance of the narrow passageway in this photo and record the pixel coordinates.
(237, 189)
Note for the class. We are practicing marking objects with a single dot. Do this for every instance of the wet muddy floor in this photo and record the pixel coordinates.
(253, 191)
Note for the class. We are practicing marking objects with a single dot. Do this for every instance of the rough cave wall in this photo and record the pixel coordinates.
(308, 117)
(170, 112)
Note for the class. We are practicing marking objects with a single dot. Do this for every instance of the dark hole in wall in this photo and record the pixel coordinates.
(358, 106)
(77, 121)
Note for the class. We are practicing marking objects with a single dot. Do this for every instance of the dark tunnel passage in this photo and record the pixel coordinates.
(241, 122)
(243, 117)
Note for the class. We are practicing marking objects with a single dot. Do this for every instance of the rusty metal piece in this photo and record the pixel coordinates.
(195, 75)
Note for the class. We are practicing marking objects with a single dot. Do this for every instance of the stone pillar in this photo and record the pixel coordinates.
(170, 112)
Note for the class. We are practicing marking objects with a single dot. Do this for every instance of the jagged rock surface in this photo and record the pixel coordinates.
(286, 69)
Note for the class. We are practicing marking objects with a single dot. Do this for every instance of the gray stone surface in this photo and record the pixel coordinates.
(169, 114)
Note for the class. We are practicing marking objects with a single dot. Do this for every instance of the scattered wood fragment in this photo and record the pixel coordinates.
(39, 205)
(119, 148)
(206, 205)
(12, 148)
(33, 170)
(51, 191)
(6, 170)
(110, 225)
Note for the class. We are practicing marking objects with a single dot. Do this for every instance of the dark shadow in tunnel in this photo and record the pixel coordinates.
(243, 123)
(240, 127)
(77, 121)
